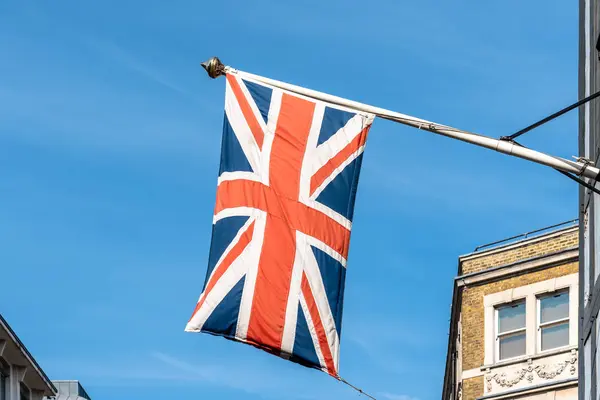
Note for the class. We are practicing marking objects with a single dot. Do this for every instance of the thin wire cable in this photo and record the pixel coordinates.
(580, 181)
(551, 117)
(355, 388)
(570, 176)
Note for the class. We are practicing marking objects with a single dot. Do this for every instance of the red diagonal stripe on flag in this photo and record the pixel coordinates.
(249, 115)
(326, 170)
(320, 330)
(233, 254)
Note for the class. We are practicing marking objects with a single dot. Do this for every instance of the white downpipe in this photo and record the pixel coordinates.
(501, 146)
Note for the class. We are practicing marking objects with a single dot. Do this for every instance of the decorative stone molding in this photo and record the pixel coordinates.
(505, 382)
(544, 369)
(550, 372)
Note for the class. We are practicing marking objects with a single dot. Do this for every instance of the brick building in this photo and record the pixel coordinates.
(514, 320)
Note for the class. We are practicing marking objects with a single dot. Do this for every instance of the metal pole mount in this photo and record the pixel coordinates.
(214, 67)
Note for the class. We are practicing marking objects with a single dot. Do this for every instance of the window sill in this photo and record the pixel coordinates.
(525, 358)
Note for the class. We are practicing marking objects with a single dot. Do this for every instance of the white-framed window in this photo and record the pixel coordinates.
(531, 319)
(553, 320)
(511, 330)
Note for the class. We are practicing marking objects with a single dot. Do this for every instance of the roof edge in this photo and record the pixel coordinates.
(518, 243)
(28, 355)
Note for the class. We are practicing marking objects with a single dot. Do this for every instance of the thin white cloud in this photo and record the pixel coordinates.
(145, 107)
(161, 368)
(250, 380)
(127, 59)
(462, 189)
(267, 380)
(201, 372)
(393, 396)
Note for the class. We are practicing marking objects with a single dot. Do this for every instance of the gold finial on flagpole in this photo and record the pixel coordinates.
(214, 67)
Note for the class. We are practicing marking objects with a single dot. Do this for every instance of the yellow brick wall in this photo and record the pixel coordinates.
(550, 245)
(472, 308)
(472, 388)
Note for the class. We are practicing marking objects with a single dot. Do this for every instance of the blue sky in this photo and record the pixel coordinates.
(109, 147)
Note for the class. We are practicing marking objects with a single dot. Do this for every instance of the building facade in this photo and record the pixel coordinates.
(589, 203)
(514, 320)
(21, 378)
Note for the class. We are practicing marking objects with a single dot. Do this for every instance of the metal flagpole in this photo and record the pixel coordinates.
(583, 168)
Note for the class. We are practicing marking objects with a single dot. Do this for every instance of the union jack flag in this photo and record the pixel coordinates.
(281, 226)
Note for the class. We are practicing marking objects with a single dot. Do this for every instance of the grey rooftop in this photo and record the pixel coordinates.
(70, 390)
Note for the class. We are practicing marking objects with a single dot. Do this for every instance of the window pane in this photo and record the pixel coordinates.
(512, 346)
(555, 336)
(24, 392)
(554, 307)
(511, 317)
